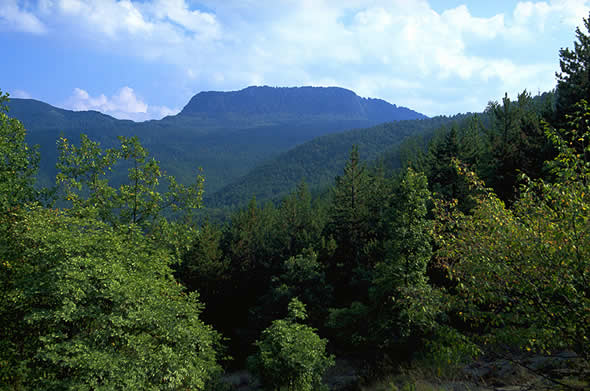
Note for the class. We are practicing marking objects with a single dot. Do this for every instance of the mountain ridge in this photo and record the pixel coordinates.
(296, 101)
(226, 144)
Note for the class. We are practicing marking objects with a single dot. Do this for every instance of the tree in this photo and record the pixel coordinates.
(18, 162)
(84, 180)
(204, 267)
(442, 177)
(349, 211)
(403, 304)
(301, 276)
(299, 225)
(523, 274)
(87, 307)
(250, 244)
(358, 199)
(291, 354)
(515, 143)
(573, 82)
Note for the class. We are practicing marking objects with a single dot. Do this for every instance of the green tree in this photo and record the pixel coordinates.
(250, 245)
(403, 303)
(515, 143)
(18, 162)
(349, 213)
(88, 307)
(573, 82)
(299, 224)
(291, 356)
(204, 267)
(442, 177)
(83, 176)
(301, 276)
(358, 201)
(522, 274)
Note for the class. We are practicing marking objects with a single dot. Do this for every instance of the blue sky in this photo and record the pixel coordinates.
(145, 59)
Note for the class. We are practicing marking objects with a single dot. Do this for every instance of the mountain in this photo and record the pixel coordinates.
(227, 133)
(294, 102)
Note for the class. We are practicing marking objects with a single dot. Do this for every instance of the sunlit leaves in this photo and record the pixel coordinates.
(523, 273)
(18, 162)
(291, 354)
(84, 179)
(87, 307)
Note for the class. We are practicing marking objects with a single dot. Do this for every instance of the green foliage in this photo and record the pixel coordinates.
(403, 302)
(299, 224)
(447, 350)
(84, 181)
(349, 215)
(291, 354)
(87, 307)
(515, 142)
(349, 326)
(204, 267)
(18, 162)
(301, 276)
(522, 274)
(573, 82)
(355, 221)
(320, 159)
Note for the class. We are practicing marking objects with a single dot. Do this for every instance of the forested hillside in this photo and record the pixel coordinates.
(463, 255)
(318, 161)
(225, 133)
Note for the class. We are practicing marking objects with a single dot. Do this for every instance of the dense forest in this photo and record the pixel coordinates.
(468, 242)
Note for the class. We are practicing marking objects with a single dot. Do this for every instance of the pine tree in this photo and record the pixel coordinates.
(573, 82)
(349, 224)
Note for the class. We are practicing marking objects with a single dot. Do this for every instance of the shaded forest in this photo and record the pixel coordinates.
(466, 242)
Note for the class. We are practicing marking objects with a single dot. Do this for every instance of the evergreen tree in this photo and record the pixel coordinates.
(403, 304)
(573, 82)
(349, 224)
(299, 224)
(515, 143)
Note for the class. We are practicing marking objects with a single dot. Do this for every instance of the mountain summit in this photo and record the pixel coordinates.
(332, 102)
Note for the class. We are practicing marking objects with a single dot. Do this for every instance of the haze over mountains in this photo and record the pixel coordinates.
(229, 134)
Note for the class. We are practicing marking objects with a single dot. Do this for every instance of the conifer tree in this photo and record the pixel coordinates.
(573, 82)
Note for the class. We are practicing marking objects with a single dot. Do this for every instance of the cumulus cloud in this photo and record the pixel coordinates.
(17, 18)
(540, 14)
(393, 49)
(122, 105)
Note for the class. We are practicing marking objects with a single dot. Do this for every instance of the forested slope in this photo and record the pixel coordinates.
(318, 161)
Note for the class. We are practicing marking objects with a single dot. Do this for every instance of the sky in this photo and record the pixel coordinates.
(145, 59)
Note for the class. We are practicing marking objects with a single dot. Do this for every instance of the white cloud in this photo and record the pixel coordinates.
(538, 14)
(125, 104)
(177, 11)
(106, 17)
(393, 49)
(14, 17)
